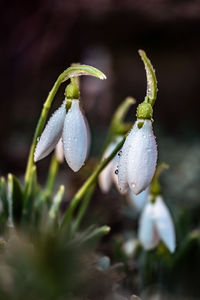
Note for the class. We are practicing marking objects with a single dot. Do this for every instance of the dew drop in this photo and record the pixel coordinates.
(133, 185)
(119, 153)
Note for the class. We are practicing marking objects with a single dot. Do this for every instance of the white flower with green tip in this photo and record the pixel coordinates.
(71, 126)
(156, 225)
(138, 158)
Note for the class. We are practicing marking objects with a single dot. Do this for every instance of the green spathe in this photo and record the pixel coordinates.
(72, 91)
(144, 111)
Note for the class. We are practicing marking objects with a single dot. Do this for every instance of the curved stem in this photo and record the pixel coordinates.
(73, 71)
(151, 79)
(82, 209)
(84, 189)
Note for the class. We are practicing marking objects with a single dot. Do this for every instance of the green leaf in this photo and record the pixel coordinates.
(54, 210)
(30, 195)
(151, 78)
(15, 200)
(3, 196)
(90, 236)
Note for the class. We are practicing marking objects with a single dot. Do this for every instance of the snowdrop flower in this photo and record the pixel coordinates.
(156, 224)
(69, 123)
(137, 162)
(138, 201)
(108, 176)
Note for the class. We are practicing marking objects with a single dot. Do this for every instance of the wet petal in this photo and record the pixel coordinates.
(115, 173)
(123, 160)
(142, 157)
(106, 176)
(51, 134)
(75, 140)
(88, 135)
(148, 235)
(164, 224)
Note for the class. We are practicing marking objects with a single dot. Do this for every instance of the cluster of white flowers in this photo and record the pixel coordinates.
(132, 169)
(71, 126)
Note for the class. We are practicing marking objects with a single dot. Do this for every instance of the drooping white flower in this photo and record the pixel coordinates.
(138, 201)
(72, 127)
(156, 224)
(74, 137)
(108, 176)
(137, 162)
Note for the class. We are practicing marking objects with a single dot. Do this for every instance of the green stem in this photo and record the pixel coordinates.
(83, 208)
(53, 170)
(117, 123)
(88, 183)
(73, 71)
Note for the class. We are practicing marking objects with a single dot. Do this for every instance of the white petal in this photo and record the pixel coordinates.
(123, 159)
(142, 157)
(164, 224)
(59, 153)
(105, 177)
(88, 135)
(108, 175)
(148, 235)
(138, 201)
(51, 134)
(75, 140)
(115, 172)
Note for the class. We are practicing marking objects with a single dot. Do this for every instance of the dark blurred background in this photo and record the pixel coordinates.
(41, 38)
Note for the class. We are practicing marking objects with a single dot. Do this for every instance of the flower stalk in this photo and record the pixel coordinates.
(88, 183)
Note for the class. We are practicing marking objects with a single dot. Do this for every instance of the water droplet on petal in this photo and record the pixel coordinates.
(133, 185)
